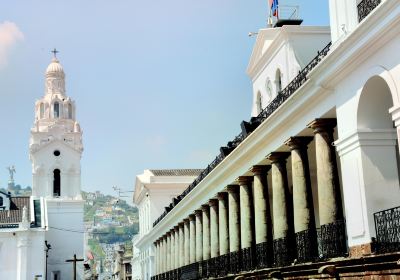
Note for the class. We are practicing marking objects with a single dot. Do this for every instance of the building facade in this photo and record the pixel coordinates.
(55, 150)
(154, 191)
(22, 236)
(311, 184)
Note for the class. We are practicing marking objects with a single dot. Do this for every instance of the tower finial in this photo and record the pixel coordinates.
(55, 51)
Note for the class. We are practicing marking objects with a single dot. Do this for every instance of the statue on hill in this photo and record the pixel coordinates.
(11, 182)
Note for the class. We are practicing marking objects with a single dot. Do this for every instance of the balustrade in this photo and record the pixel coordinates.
(387, 227)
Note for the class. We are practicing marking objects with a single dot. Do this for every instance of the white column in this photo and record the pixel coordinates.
(199, 235)
(206, 232)
(176, 252)
(223, 223)
(187, 241)
(192, 226)
(214, 233)
(181, 244)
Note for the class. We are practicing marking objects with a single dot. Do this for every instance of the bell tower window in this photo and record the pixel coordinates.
(56, 182)
(56, 110)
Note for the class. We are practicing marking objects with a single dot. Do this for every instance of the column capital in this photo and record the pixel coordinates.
(320, 125)
(192, 217)
(298, 142)
(244, 180)
(259, 169)
(205, 207)
(186, 221)
(168, 234)
(222, 195)
(213, 202)
(176, 228)
(232, 188)
(275, 157)
(180, 224)
(198, 213)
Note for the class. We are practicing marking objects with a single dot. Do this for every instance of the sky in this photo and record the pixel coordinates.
(157, 84)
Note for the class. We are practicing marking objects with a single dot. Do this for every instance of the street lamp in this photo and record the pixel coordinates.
(48, 248)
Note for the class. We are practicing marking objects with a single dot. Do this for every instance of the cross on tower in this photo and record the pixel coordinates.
(74, 261)
(54, 51)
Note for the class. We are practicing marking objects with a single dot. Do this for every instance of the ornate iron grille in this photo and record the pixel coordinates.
(223, 265)
(332, 238)
(307, 246)
(234, 262)
(204, 271)
(213, 267)
(282, 96)
(190, 272)
(248, 260)
(264, 254)
(387, 226)
(283, 251)
(366, 7)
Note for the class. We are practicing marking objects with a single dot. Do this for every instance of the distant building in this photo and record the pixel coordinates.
(154, 190)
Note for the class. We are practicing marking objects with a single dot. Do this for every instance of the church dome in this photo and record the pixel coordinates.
(55, 67)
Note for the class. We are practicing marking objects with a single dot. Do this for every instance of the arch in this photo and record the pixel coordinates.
(278, 80)
(56, 182)
(374, 104)
(41, 110)
(1, 201)
(56, 110)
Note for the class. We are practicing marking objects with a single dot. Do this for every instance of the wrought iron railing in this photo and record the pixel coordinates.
(307, 246)
(264, 256)
(249, 127)
(332, 240)
(387, 227)
(366, 7)
(284, 251)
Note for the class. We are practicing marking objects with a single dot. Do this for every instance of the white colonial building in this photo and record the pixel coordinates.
(313, 177)
(23, 224)
(154, 191)
(55, 151)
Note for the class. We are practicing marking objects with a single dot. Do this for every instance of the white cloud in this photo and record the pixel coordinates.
(9, 36)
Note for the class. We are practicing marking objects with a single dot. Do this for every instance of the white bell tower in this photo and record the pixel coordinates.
(55, 150)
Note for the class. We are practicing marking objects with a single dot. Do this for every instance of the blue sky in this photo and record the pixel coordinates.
(158, 84)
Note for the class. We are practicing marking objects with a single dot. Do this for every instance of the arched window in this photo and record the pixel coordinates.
(278, 81)
(1, 201)
(41, 109)
(56, 110)
(69, 111)
(56, 182)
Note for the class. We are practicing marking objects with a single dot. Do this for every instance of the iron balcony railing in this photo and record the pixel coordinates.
(249, 127)
(331, 241)
(387, 227)
(365, 7)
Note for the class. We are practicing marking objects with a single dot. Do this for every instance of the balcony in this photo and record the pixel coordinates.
(387, 226)
(365, 7)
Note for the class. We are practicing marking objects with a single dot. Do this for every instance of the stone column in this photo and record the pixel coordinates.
(176, 252)
(181, 244)
(157, 253)
(199, 235)
(172, 267)
(192, 256)
(214, 233)
(168, 268)
(262, 216)
(330, 205)
(304, 220)
(187, 241)
(282, 210)
(246, 230)
(234, 228)
(206, 232)
(223, 223)
(329, 198)
(246, 221)
(163, 255)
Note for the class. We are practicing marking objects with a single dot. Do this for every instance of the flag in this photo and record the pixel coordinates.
(273, 4)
